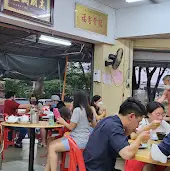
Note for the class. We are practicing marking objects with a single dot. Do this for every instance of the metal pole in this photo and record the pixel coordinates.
(92, 72)
(31, 152)
(65, 76)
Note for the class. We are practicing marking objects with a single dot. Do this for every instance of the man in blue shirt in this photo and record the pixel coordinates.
(109, 138)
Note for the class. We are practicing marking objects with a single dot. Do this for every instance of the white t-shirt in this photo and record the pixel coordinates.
(81, 133)
(164, 127)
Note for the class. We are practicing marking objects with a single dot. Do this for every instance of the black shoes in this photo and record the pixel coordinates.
(18, 145)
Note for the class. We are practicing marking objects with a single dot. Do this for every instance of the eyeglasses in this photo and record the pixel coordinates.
(160, 114)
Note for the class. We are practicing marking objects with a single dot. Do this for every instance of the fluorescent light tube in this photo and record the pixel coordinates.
(55, 40)
(129, 1)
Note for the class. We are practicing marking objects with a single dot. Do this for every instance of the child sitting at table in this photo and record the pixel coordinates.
(155, 112)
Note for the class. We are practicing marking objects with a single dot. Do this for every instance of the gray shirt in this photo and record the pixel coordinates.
(82, 131)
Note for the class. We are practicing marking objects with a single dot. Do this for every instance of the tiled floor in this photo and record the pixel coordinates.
(13, 161)
(19, 165)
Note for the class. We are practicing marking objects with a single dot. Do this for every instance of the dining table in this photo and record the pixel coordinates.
(31, 127)
(143, 155)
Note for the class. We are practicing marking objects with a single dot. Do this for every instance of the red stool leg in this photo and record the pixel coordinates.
(5, 138)
(62, 165)
(2, 155)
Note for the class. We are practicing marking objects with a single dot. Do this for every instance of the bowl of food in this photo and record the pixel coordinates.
(161, 135)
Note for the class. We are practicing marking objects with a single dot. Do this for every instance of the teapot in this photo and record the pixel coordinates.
(24, 118)
(11, 119)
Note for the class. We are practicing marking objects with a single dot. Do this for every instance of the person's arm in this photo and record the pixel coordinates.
(94, 123)
(166, 118)
(75, 118)
(40, 108)
(70, 125)
(153, 125)
(163, 97)
(98, 117)
(129, 152)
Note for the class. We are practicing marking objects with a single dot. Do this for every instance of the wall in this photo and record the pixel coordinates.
(152, 52)
(113, 95)
(144, 20)
(64, 22)
(152, 44)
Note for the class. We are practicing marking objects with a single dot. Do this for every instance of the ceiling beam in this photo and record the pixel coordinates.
(154, 44)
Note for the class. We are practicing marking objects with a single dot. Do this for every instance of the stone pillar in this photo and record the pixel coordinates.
(114, 94)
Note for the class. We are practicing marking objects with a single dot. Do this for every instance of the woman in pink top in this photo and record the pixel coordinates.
(166, 94)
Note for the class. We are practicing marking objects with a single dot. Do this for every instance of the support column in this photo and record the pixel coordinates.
(112, 94)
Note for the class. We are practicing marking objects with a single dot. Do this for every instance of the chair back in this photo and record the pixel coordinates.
(76, 156)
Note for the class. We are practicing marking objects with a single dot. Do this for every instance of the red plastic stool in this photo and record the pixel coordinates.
(7, 142)
(75, 157)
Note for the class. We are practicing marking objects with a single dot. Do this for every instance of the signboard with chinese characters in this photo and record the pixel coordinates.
(91, 20)
(36, 10)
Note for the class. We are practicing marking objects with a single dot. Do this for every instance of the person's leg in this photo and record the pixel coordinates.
(10, 135)
(167, 169)
(47, 166)
(43, 134)
(148, 167)
(22, 134)
(56, 146)
(160, 168)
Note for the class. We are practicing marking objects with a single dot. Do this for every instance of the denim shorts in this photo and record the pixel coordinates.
(65, 142)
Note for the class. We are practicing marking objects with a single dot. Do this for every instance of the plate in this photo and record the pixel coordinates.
(10, 122)
(143, 146)
(24, 123)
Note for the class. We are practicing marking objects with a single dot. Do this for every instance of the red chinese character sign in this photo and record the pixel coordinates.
(36, 10)
(91, 20)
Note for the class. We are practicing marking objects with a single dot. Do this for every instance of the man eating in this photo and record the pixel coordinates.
(110, 137)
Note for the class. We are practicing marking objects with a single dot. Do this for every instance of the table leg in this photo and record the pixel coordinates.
(31, 151)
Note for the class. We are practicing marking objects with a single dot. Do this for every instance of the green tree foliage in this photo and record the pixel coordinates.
(21, 88)
(78, 78)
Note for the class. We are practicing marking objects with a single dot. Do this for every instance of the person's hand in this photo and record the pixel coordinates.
(144, 136)
(155, 124)
(133, 135)
(60, 120)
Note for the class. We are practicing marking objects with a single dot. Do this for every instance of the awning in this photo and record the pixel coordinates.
(32, 68)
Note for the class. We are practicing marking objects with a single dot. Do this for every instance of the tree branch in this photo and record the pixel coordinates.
(139, 77)
(152, 72)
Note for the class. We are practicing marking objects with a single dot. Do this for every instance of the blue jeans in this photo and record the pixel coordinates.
(22, 133)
